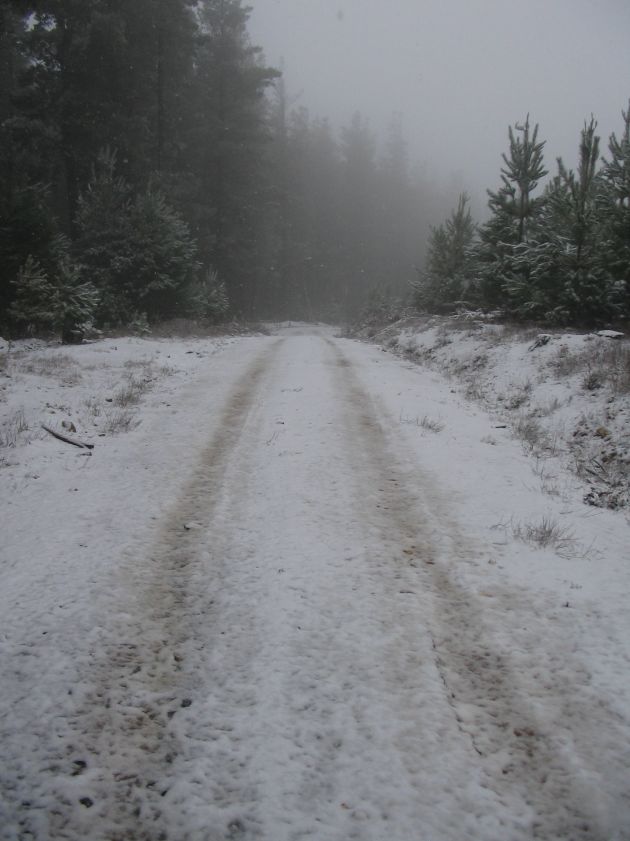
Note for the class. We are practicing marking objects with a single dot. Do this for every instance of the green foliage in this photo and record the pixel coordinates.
(26, 230)
(207, 298)
(162, 256)
(226, 146)
(445, 280)
(75, 300)
(563, 274)
(613, 208)
(295, 221)
(514, 212)
(520, 177)
(138, 250)
(33, 304)
(62, 303)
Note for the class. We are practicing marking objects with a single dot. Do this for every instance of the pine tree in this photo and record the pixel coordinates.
(585, 293)
(514, 209)
(444, 283)
(63, 303)
(137, 249)
(227, 136)
(396, 221)
(613, 207)
(206, 298)
(103, 242)
(557, 275)
(162, 257)
(75, 299)
(359, 225)
(32, 308)
(26, 226)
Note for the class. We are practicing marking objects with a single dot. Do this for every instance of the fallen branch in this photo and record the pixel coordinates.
(81, 444)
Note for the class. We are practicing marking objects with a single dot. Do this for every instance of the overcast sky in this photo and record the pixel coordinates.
(460, 71)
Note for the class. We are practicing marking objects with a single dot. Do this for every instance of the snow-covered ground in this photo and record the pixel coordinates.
(298, 589)
(566, 395)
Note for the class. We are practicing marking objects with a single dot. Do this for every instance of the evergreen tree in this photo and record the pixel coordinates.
(557, 275)
(444, 283)
(61, 302)
(137, 249)
(227, 138)
(573, 222)
(359, 227)
(396, 221)
(613, 207)
(31, 307)
(206, 298)
(26, 226)
(514, 209)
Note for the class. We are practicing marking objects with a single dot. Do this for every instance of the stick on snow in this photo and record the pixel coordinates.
(65, 438)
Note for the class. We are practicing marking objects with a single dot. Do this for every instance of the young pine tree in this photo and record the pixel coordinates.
(61, 302)
(444, 283)
(573, 224)
(514, 210)
(137, 250)
(613, 205)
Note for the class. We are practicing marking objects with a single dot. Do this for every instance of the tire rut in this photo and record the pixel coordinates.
(143, 673)
(517, 757)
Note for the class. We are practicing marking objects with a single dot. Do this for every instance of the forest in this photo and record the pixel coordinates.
(153, 166)
(560, 255)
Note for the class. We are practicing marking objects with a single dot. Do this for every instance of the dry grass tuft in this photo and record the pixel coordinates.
(58, 365)
(425, 422)
(12, 428)
(119, 421)
(602, 363)
(546, 534)
(131, 392)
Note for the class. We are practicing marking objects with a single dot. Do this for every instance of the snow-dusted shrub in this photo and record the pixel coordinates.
(131, 392)
(61, 302)
(207, 298)
(122, 420)
(137, 248)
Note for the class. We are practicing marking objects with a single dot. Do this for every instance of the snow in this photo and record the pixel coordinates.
(610, 334)
(291, 595)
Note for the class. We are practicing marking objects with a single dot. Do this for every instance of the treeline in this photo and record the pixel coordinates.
(151, 166)
(558, 255)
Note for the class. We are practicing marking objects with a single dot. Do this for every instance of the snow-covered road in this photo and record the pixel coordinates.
(282, 609)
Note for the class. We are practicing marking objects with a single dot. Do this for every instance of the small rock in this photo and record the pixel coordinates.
(87, 802)
(79, 766)
(602, 432)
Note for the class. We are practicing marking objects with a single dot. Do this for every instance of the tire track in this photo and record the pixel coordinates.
(519, 760)
(143, 676)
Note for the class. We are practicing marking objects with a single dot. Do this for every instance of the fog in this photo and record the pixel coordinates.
(460, 71)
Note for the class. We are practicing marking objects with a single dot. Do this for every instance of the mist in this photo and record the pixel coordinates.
(460, 72)
(296, 159)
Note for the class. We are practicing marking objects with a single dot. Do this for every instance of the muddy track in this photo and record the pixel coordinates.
(300, 607)
(129, 718)
(482, 688)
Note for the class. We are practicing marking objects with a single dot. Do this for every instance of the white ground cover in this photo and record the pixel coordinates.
(297, 590)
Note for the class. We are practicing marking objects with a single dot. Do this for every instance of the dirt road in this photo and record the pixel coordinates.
(300, 659)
